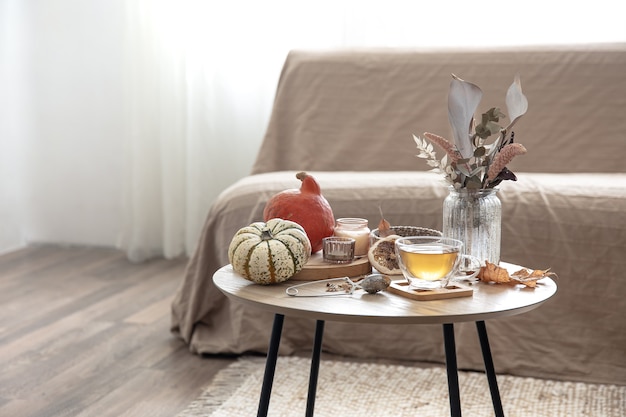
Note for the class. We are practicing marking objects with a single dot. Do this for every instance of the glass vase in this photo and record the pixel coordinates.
(475, 218)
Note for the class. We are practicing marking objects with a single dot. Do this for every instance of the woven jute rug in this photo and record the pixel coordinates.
(363, 389)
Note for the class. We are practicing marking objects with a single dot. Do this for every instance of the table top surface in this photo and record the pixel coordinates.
(487, 301)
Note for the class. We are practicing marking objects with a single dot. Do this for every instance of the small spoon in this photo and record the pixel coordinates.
(339, 286)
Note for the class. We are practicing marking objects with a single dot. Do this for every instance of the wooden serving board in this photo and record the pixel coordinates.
(316, 269)
(452, 291)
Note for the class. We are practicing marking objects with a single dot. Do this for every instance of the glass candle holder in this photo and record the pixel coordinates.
(338, 250)
(356, 229)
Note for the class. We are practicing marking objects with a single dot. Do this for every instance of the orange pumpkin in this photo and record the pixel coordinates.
(307, 207)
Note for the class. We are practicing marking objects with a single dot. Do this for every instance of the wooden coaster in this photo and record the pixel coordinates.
(317, 269)
(452, 291)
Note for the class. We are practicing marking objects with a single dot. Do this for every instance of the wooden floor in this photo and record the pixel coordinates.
(84, 332)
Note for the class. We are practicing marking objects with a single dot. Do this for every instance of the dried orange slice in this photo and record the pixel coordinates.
(382, 256)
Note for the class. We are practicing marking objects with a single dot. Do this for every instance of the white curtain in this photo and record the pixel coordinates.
(202, 76)
(122, 120)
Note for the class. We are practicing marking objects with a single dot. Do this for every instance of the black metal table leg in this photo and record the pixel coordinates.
(451, 367)
(489, 368)
(270, 365)
(315, 367)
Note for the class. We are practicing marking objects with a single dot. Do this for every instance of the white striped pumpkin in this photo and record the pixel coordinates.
(269, 253)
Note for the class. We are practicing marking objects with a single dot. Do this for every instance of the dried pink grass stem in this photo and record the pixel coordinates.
(503, 157)
(444, 144)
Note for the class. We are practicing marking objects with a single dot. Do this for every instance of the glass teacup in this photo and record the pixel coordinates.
(428, 262)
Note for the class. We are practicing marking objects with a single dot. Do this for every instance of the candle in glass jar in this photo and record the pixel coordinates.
(338, 250)
(358, 230)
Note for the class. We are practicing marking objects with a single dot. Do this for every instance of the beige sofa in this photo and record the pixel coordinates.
(348, 118)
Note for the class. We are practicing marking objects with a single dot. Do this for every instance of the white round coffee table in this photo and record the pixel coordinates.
(487, 301)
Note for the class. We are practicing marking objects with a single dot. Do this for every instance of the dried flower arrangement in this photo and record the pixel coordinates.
(470, 162)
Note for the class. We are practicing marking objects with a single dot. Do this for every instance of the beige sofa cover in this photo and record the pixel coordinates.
(348, 118)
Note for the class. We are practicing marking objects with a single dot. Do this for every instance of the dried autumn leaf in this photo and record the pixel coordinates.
(493, 273)
(530, 277)
(384, 227)
(529, 282)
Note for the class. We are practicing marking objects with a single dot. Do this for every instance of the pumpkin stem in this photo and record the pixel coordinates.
(266, 234)
(309, 185)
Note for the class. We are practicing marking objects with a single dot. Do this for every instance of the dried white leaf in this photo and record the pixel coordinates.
(463, 100)
(516, 102)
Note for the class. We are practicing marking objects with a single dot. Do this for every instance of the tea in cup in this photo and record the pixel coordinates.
(428, 262)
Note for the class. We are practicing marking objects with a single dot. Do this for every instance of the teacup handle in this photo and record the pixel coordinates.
(468, 268)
